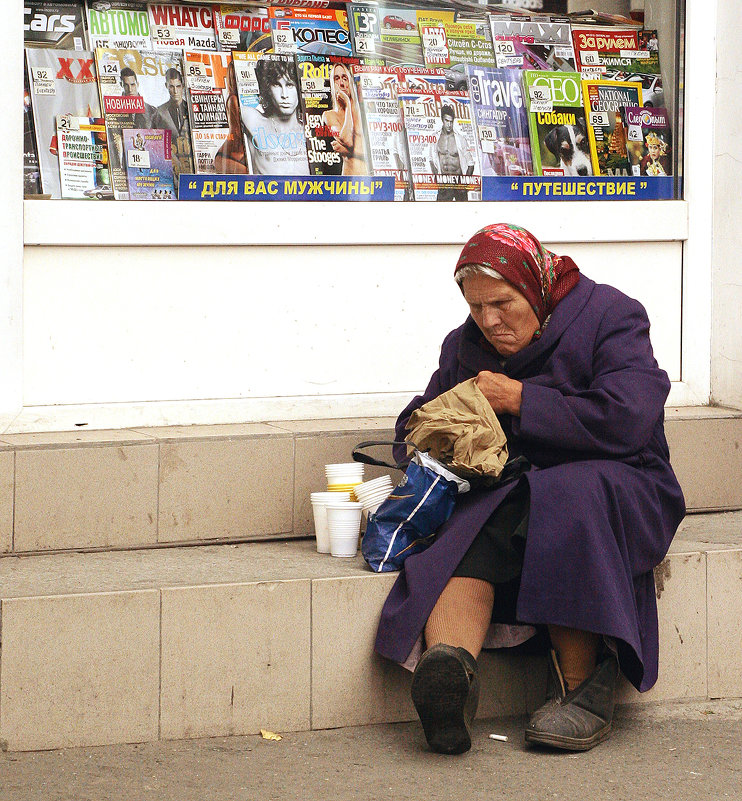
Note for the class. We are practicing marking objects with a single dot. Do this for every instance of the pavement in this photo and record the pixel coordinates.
(658, 752)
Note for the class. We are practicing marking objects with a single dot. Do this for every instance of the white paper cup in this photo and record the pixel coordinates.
(319, 501)
(344, 545)
(351, 473)
(344, 527)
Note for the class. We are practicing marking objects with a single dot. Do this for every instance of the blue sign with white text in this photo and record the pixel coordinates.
(282, 187)
(558, 187)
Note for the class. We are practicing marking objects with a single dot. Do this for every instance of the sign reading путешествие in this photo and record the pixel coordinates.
(557, 187)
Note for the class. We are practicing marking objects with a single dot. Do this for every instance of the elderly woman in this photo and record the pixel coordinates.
(569, 548)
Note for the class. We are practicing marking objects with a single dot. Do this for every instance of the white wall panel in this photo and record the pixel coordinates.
(115, 325)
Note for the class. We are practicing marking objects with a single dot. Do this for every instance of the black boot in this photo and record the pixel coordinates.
(580, 719)
(445, 691)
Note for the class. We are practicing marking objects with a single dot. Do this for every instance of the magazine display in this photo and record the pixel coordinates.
(454, 45)
(603, 102)
(83, 158)
(62, 82)
(121, 25)
(31, 175)
(177, 26)
(442, 147)
(143, 89)
(378, 93)
(149, 166)
(336, 143)
(47, 23)
(533, 43)
(648, 140)
(310, 30)
(213, 147)
(389, 32)
(242, 28)
(501, 121)
(557, 123)
(271, 113)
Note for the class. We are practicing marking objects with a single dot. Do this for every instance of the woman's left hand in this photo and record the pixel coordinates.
(503, 393)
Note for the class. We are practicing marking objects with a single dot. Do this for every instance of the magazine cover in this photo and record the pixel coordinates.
(119, 24)
(336, 144)
(83, 158)
(47, 23)
(218, 147)
(533, 43)
(442, 147)
(557, 123)
(603, 101)
(31, 175)
(648, 140)
(390, 32)
(454, 45)
(378, 93)
(271, 113)
(242, 28)
(592, 43)
(149, 166)
(143, 89)
(310, 30)
(423, 79)
(501, 121)
(177, 26)
(62, 82)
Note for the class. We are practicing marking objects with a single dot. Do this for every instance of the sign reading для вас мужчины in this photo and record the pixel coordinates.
(280, 187)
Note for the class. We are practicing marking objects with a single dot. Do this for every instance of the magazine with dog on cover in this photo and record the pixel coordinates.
(557, 123)
(603, 102)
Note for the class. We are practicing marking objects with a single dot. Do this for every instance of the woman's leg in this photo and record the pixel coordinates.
(577, 651)
(461, 615)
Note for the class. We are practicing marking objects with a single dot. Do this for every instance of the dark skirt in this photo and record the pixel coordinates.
(496, 555)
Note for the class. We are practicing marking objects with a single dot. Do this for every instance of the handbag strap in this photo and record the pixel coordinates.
(366, 459)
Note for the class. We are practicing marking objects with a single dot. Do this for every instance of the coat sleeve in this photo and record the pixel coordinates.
(443, 379)
(616, 414)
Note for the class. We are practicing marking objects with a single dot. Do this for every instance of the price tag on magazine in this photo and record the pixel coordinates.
(66, 122)
(138, 159)
(282, 42)
(229, 36)
(636, 54)
(505, 55)
(434, 41)
(110, 68)
(541, 100)
(599, 118)
(365, 43)
(159, 32)
(634, 133)
(244, 72)
(314, 85)
(487, 137)
(563, 52)
(590, 58)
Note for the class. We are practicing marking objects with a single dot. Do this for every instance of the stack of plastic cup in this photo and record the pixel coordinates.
(372, 493)
(344, 527)
(343, 477)
(319, 508)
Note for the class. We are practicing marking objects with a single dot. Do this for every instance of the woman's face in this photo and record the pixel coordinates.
(503, 314)
(341, 79)
(285, 97)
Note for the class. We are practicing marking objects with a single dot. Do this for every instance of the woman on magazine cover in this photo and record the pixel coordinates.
(568, 549)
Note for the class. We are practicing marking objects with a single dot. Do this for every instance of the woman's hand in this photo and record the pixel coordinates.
(503, 393)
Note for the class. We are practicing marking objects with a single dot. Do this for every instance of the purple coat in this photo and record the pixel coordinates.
(605, 503)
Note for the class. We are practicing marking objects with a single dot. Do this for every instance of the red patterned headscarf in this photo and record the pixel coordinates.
(542, 276)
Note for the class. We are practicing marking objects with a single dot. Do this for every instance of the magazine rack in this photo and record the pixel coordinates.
(673, 236)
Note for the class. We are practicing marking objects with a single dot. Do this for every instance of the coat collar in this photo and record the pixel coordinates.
(476, 354)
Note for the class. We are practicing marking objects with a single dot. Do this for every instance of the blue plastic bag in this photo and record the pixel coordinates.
(406, 522)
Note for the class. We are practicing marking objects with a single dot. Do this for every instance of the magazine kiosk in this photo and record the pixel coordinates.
(128, 313)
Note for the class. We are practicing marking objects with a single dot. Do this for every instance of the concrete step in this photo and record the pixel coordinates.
(218, 640)
(163, 486)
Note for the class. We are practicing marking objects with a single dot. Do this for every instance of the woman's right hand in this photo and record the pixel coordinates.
(504, 394)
